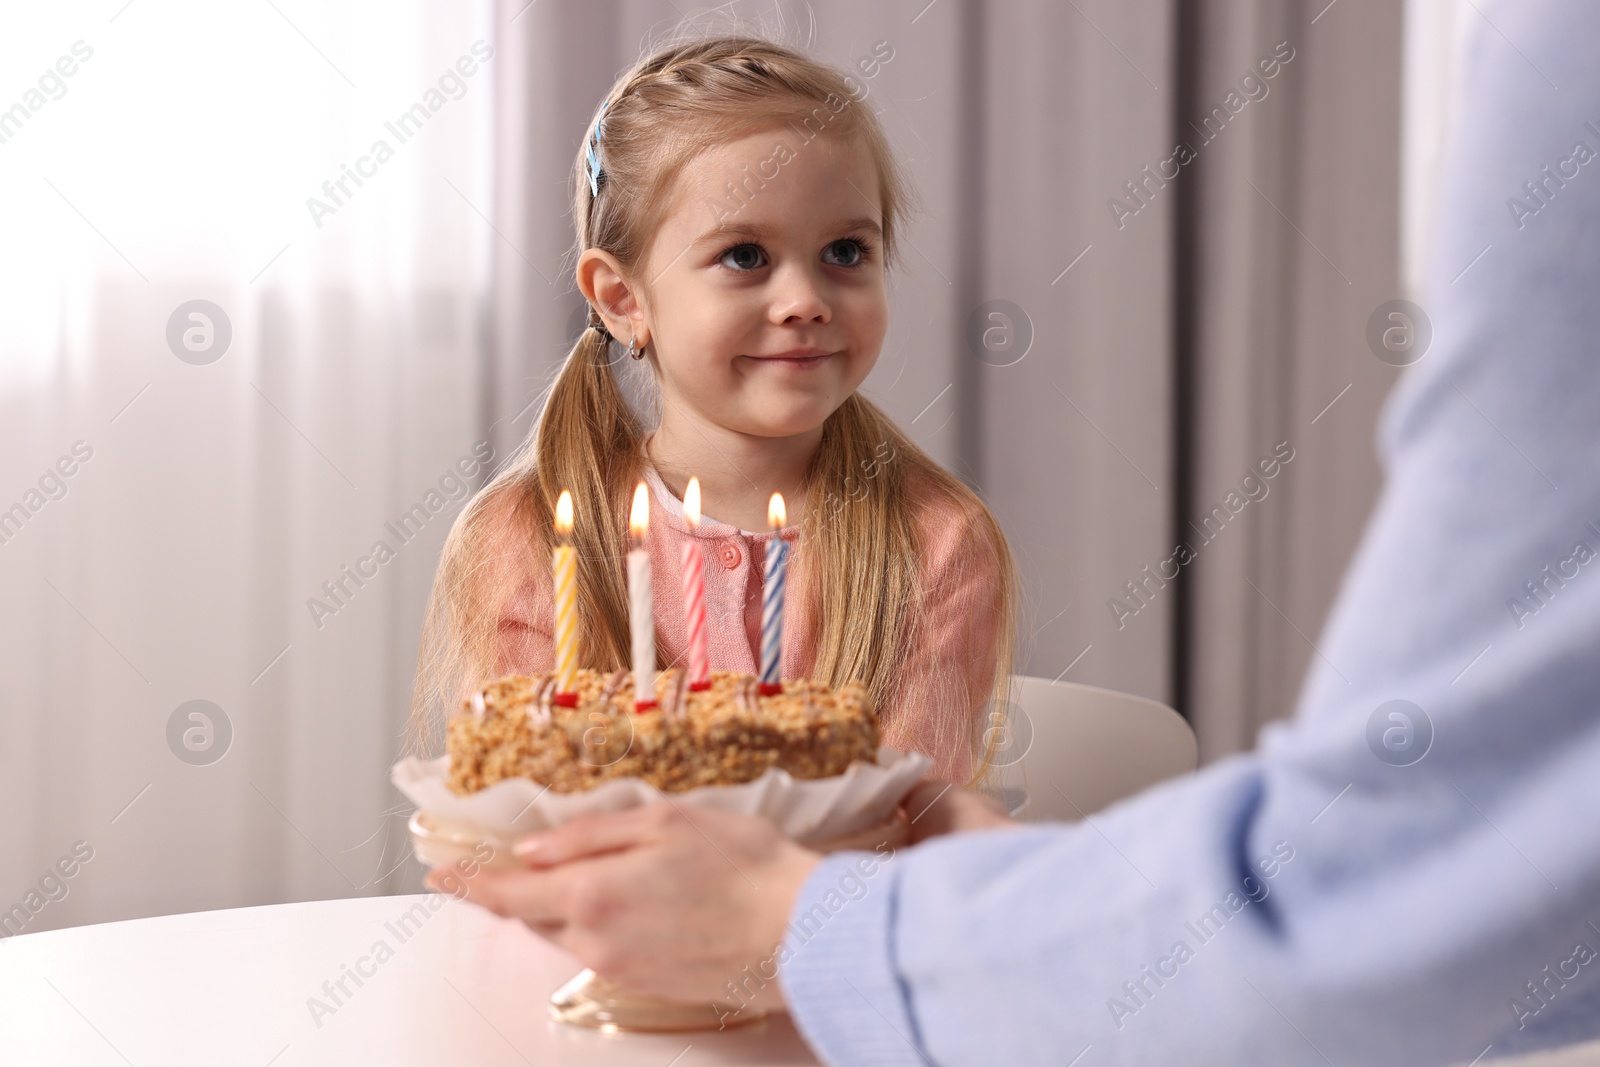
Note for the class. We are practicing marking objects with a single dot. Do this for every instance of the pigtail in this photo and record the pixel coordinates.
(858, 531)
(588, 441)
(867, 580)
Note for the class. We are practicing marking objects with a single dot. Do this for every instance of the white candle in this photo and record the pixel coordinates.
(641, 607)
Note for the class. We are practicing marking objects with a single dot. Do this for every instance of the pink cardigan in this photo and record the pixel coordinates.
(951, 673)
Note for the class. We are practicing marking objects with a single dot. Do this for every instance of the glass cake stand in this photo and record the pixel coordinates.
(593, 1001)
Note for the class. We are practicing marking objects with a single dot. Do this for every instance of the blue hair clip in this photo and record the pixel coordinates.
(589, 152)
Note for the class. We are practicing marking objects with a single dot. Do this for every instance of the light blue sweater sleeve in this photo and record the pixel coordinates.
(1331, 898)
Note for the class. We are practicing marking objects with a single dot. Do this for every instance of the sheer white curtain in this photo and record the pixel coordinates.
(319, 174)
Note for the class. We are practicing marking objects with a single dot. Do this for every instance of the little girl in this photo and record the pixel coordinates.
(736, 210)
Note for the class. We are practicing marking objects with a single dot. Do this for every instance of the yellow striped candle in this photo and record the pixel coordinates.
(566, 572)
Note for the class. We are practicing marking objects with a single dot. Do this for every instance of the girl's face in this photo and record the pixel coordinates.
(764, 286)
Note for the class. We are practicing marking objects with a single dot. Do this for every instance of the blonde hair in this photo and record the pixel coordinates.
(862, 560)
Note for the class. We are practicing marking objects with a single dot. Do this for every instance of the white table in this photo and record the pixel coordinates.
(231, 987)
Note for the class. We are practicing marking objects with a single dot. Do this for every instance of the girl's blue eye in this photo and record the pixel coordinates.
(851, 249)
(846, 252)
(743, 257)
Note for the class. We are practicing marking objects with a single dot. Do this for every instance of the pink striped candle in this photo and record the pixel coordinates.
(694, 593)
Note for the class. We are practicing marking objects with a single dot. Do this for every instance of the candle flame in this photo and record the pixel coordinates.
(776, 516)
(691, 502)
(564, 513)
(639, 517)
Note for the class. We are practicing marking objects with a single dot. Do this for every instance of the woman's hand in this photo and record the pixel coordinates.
(667, 899)
(938, 807)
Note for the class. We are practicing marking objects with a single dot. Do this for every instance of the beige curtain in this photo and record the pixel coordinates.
(1294, 242)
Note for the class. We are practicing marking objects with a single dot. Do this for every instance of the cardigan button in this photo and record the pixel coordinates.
(730, 555)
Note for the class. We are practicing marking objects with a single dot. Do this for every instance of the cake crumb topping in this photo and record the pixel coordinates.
(722, 735)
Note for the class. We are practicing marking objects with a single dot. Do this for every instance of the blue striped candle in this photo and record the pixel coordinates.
(772, 598)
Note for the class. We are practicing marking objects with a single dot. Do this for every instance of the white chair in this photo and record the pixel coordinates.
(1074, 749)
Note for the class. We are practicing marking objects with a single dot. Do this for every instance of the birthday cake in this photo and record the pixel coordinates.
(724, 734)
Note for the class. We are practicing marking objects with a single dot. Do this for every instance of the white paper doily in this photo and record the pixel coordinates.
(814, 809)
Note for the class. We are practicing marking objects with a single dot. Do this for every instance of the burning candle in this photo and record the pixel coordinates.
(772, 599)
(640, 605)
(566, 575)
(694, 593)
